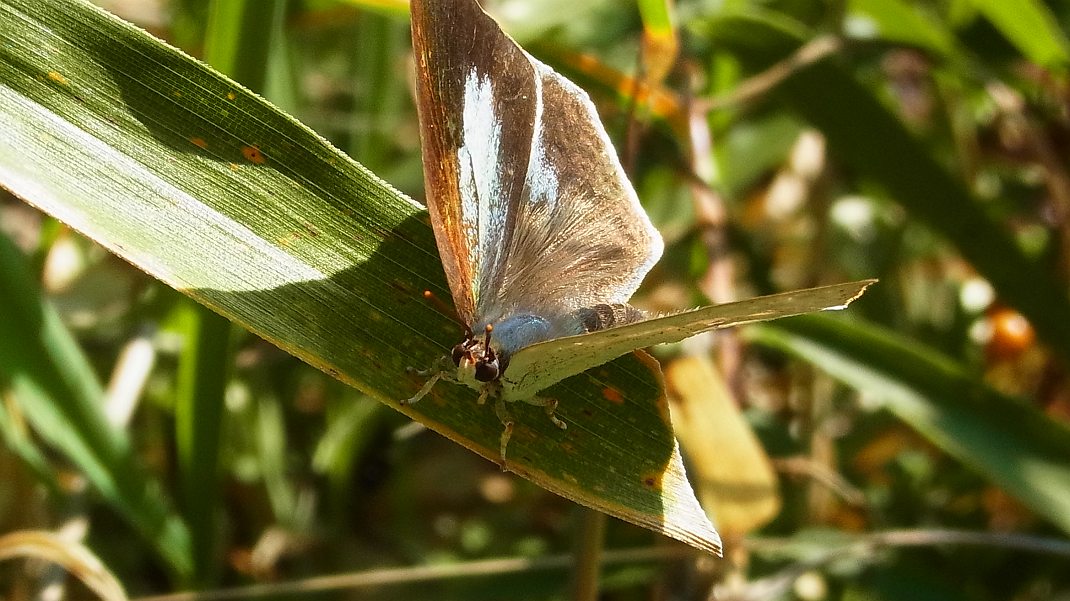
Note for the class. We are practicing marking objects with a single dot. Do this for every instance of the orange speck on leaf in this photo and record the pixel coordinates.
(612, 395)
(199, 142)
(253, 155)
(57, 77)
(231, 96)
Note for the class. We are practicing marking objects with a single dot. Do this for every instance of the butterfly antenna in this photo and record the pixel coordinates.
(446, 310)
(488, 354)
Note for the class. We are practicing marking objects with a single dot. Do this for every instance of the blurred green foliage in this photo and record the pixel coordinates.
(793, 142)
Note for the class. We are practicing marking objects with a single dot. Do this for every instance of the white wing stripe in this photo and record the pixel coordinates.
(479, 159)
(541, 179)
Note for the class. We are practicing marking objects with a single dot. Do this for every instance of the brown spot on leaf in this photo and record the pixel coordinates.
(199, 142)
(613, 395)
(253, 155)
(57, 77)
(652, 481)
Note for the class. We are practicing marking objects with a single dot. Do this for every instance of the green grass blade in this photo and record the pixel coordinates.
(904, 22)
(199, 413)
(351, 431)
(1031, 27)
(1007, 440)
(61, 397)
(207, 187)
(377, 89)
(239, 38)
(271, 444)
(15, 435)
(657, 17)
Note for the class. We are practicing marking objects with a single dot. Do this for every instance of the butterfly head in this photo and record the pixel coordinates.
(477, 359)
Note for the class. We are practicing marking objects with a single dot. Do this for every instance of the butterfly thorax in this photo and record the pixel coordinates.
(484, 358)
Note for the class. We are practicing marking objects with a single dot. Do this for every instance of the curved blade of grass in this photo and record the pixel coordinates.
(1031, 26)
(207, 187)
(1006, 439)
(866, 136)
(73, 557)
(904, 22)
(15, 435)
(59, 393)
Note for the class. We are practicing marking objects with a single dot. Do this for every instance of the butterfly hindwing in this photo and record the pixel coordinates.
(581, 238)
(541, 365)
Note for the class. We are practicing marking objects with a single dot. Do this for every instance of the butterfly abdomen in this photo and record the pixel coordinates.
(602, 316)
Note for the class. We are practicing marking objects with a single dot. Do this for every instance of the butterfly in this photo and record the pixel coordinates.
(541, 235)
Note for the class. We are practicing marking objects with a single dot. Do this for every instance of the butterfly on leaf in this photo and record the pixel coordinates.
(541, 234)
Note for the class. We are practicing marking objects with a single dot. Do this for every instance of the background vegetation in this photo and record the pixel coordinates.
(915, 448)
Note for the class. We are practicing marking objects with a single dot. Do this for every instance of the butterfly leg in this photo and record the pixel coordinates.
(438, 371)
(550, 406)
(506, 417)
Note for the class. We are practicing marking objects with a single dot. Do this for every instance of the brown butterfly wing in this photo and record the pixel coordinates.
(581, 237)
(531, 208)
(456, 47)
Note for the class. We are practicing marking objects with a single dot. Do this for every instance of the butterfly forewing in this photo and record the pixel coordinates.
(531, 209)
(474, 89)
(541, 365)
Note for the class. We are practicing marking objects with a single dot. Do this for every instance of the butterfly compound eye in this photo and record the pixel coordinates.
(487, 370)
(458, 354)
